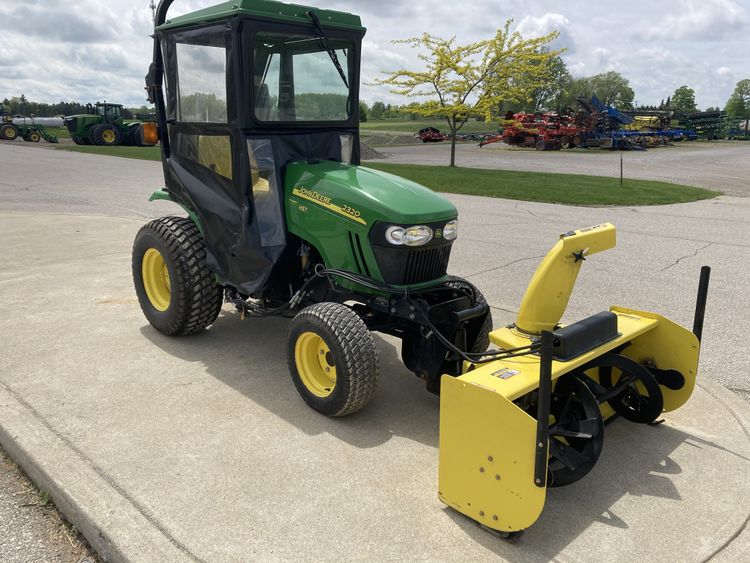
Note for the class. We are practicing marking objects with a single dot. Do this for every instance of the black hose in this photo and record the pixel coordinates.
(481, 357)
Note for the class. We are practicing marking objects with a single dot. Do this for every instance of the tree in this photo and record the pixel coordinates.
(683, 100)
(377, 111)
(738, 104)
(549, 96)
(362, 112)
(611, 88)
(460, 81)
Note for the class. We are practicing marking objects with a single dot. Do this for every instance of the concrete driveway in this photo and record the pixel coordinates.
(200, 449)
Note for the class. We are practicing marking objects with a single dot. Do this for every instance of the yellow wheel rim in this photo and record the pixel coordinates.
(156, 279)
(11, 133)
(35, 137)
(315, 364)
(108, 136)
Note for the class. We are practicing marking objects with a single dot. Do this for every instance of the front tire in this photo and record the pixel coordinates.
(332, 359)
(176, 291)
(483, 339)
(104, 135)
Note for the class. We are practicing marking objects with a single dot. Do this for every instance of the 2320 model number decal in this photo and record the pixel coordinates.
(350, 210)
(324, 201)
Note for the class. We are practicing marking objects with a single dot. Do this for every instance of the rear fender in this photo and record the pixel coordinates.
(164, 195)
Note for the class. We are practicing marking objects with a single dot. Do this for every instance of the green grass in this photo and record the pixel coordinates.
(59, 132)
(142, 153)
(568, 189)
(401, 126)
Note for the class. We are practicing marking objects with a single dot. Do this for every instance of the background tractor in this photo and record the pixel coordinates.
(106, 124)
(10, 129)
(262, 153)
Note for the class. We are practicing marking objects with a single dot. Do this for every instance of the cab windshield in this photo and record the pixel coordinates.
(296, 80)
(108, 112)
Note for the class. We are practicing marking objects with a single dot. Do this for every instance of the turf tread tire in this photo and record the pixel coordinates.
(196, 297)
(353, 348)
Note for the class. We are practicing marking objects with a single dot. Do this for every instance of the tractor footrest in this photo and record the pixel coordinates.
(585, 335)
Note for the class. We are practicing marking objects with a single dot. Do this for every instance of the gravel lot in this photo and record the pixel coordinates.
(31, 529)
(721, 166)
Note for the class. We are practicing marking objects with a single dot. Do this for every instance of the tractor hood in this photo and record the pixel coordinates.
(366, 193)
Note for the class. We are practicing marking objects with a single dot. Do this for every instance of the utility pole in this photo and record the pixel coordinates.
(152, 5)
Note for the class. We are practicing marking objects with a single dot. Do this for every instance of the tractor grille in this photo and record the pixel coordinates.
(426, 264)
(402, 266)
(71, 124)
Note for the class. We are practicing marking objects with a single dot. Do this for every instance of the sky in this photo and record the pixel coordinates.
(91, 50)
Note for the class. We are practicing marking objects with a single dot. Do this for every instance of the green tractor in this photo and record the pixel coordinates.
(10, 130)
(258, 122)
(106, 124)
(262, 152)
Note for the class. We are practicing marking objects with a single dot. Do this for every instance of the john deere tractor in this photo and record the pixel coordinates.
(105, 124)
(257, 107)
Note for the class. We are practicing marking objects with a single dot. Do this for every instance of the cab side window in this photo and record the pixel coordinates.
(201, 84)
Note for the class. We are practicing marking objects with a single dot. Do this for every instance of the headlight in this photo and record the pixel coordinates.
(450, 231)
(410, 236)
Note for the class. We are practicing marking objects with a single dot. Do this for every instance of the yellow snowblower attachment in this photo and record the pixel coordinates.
(531, 415)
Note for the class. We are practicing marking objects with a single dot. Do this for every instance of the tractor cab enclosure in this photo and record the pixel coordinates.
(252, 86)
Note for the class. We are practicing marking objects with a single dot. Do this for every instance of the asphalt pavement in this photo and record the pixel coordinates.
(200, 449)
(717, 165)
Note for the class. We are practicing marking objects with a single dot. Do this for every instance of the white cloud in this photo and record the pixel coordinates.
(700, 19)
(89, 49)
(531, 26)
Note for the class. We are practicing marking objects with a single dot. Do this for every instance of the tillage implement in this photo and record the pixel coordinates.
(257, 106)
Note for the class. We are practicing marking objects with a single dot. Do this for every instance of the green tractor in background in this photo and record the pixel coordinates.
(106, 124)
(31, 132)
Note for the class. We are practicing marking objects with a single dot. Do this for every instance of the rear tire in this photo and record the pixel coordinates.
(332, 359)
(177, 292)
(8, 132)
(135, 136)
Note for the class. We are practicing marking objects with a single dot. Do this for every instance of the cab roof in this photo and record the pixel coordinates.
(265, 9)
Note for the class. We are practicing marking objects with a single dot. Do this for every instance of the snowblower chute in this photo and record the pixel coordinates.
(531, 415)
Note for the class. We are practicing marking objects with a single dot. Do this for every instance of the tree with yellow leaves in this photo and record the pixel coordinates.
(461, 81)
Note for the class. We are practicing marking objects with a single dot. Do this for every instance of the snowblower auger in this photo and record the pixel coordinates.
(534, 418)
